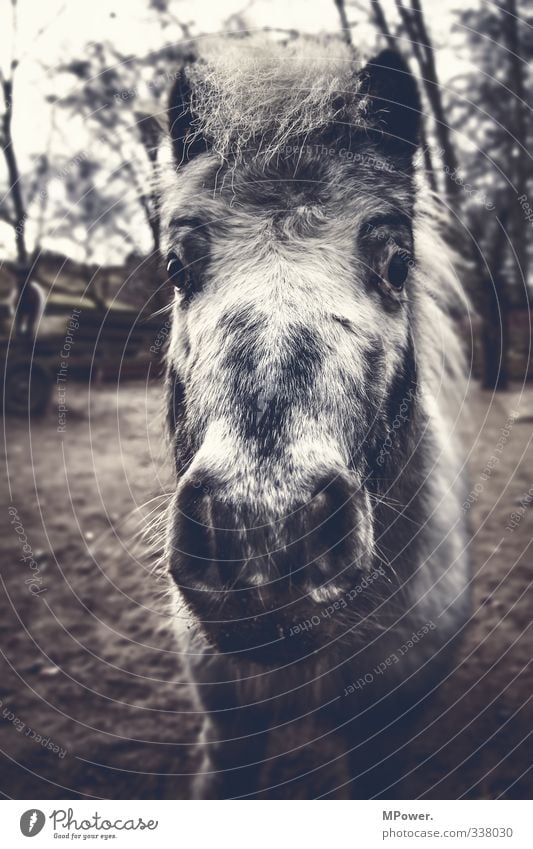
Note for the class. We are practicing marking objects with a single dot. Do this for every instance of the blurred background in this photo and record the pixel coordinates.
(93, 700)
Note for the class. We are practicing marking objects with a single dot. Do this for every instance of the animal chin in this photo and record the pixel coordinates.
(270, 642)
(270, 633)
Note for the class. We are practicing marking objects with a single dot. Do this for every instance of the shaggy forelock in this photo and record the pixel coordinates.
(255, 93)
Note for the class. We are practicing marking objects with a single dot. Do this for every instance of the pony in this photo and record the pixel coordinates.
(314, 376)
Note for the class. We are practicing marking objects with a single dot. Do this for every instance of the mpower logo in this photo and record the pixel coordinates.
(32, 822)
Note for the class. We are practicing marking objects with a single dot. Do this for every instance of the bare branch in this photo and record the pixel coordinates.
(381, 23)
(345, 26)
(417, 32)
(15, 188)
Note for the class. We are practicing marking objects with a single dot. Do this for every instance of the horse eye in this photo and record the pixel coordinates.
(176, 271)
(397, 271)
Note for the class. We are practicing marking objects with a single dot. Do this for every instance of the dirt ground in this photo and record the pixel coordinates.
(93, 700)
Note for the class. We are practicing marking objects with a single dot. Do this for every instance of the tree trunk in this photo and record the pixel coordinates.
(15, 190)
(495, 310)
(495, 336)
(415, 26)
(518, 147)
(345, 26)
(381, 24)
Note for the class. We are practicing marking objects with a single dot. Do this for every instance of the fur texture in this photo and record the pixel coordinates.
(254, 92)
(312, 398)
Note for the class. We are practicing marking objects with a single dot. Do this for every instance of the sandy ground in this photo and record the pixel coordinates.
(93, 697)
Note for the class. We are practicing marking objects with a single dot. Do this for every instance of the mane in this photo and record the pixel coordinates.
(441, 305)
(256, 92)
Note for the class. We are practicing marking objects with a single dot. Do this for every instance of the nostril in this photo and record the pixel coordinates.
(331, 515)
(193, 529)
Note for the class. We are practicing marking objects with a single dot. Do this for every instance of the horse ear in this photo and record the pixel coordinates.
(395, 106)
(186, 141)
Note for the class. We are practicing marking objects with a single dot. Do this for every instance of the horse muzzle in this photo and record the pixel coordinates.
(251, 578)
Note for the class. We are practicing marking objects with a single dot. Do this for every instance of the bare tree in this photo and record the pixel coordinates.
(124, 100)
(500, 45)
(25, 200)
(381, 23)
(345, 26)
(423, 51)
(425, 66)
(519, 158)
(15, 215)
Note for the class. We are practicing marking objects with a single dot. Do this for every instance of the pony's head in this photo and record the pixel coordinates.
(289, 216)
